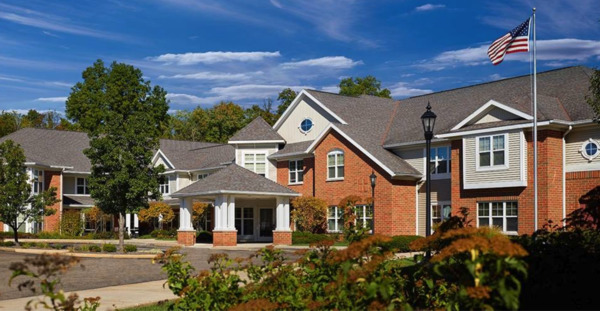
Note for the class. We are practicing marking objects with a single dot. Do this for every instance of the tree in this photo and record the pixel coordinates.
(225, 119)
(8, 123)
(310, 214)
(266, 112)
(594, 98)
(157, 213)
(285, 98)
(368, 85)
(124, 117)
(17, 204)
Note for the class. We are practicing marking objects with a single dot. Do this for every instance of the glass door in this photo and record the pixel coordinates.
(267, 224)
(244, 223)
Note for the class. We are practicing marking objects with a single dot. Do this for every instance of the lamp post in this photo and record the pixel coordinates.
(373, 180)
(428, 120)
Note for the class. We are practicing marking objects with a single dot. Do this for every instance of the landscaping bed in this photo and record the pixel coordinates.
(399, 243)
(77, 248)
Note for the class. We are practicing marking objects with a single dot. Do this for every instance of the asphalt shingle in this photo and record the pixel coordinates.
(256, 130)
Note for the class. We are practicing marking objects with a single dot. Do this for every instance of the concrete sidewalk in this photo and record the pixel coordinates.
(112, 297)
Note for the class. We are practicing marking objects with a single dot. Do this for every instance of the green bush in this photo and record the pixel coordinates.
(7, 244)
(95, 248)
(130, 248)
(307, 238)
(11, 235)
(58, 246)
(109, 248)
(400, 243)
(71, 223)
(204, 237)
(164, 234)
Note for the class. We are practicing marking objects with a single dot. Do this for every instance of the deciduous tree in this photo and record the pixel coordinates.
(224, 120)
(368, 85)
(285, 98)
(594, 97)
(123, 116)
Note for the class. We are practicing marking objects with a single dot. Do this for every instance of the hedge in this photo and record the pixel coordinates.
(299, 237)
(400, 243)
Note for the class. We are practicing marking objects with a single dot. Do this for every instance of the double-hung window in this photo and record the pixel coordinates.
(335, 164)
(163, 185)
(492, 151)
(82, 186)
(201, 176)
(440, 160)
(296, 171)
(364, 216)
(335, 219)
(503, 215)
(440, 212)
(37, 181)
(256, 162)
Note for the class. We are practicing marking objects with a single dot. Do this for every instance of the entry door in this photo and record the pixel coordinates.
(266, 224)
(244, 223)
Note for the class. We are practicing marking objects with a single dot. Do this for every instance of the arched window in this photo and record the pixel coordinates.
(335, 165)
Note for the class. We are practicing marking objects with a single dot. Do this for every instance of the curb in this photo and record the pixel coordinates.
(65, 252)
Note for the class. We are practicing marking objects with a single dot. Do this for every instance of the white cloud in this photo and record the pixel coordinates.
(233, 93)
(211, 76)
(337, 62)
(213, 57)
(331, 89)
(547, 50)
(496, 76)
(276, 4)
(401, 89)
(184, 98)
(25, 111)
(52, 99)
(429, 7)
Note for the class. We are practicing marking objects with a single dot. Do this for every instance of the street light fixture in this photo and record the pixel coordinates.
(428, 120)
(373, 180)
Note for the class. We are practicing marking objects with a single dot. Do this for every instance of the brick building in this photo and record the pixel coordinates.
(326, 145)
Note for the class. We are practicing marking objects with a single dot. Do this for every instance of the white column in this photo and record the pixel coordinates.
(231, 213)
(136, 221)
(128, 223)
(185, 214)
(219, 201)
(282, 214)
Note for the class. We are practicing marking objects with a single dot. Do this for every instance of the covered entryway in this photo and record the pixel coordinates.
(247, 208)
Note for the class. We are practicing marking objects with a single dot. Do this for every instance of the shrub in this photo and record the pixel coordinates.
(353, 231)
(310, 214)
(71, 224)
(204, 237)
(164, 234)
(307, 238)
(109, 248)
(7, 244)
(153, 214)
(95, 248)
(10, 235)
(58, 246)
(130, 248)
(400, 243)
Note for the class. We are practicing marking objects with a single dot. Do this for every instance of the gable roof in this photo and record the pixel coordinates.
(311, 95)
(256, 131)
(234, 179)
(483, 110)
(561, 96)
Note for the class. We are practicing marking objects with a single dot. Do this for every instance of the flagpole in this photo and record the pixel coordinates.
(535, 161)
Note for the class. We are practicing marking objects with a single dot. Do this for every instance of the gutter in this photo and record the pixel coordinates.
(413, 143)
(564, 176)
(219, 192)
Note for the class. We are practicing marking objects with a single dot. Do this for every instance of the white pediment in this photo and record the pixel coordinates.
(493, 111)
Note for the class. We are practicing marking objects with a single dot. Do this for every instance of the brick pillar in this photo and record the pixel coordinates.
(186, 238)
(53, 179)
(282, 237)
(550, 185)
(225, 238)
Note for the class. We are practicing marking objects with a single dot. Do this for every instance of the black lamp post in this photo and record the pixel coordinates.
(373, 180)
(428, 119)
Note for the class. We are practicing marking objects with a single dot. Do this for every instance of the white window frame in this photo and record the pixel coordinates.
(337, 217)
(166, 187)
(492, 167)
(254, 162)
(436, 160)
(504, 216)
(310, 129)
(296, 173)
(365, 216)
(201, 176)
(336, 153)
(583, 152)
(85, 186)
(36, 175)
(442, 204)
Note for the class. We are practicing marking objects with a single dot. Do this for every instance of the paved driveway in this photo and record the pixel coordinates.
(102, 272)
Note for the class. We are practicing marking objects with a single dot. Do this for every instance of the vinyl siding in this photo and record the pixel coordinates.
(574, 141)
(289, 129)
(496, 115)
(69, 182)
(160, 160)
(440, 191)
(416, 156)
(514, 160)
(269, 149)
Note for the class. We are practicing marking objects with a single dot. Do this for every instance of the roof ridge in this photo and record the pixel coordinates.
(47, 129)
(350, 96)
(389, 124)
(495, 81)
(191, 141)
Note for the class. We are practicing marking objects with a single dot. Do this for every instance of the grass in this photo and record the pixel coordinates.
(161, 306)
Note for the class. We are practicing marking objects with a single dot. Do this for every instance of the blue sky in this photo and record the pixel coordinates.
(203, 52)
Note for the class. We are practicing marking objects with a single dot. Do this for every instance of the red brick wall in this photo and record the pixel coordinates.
(549, 184)
(579, 184)
(224, 238)
(52, 179)
(186, 238)
(395, 201)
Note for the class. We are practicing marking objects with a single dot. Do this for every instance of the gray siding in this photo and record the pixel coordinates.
(440, 191)
(305, 109)
(496, 115)
(573, 159)
(514, 160)
(414, 156)
(69, 184)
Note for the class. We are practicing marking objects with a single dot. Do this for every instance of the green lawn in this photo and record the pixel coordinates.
(161, 306)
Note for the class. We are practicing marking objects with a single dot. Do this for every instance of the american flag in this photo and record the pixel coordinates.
(517, 40)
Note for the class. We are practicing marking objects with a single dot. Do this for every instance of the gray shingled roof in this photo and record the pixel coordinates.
(208, 155)
(291, 149)
(561, 96)
(78, 200)
(53, 147)
(258, 129)
(234, 179)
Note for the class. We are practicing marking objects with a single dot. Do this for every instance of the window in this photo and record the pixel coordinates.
(82, 186)
(256, 162)
(439, 213)
(503, 215)
(205, 222)
(335, 165)
(335, 219)
(590, 149)
(306, 125)
(37, 181)
(440, 160)
(296, 171)
(244, 220)
(364, 216)
(164, 185)
(492, 150)
(201, 176)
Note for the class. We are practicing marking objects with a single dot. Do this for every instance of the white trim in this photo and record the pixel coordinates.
(295, 103)
(413, 143)
(564, 175)
(439, 176)
(251, 142)
(296, 172)
(336, 154)
(159, 152)
(487, 108)
(582, 167)
(310, 129)
(523, 160)
(504, 217)
(77, 173)
(491, 167)
(583, 152)
(256, 152)
(491, 185)
(287, 156)
(85, 185)
(218, 192)
(497, 129)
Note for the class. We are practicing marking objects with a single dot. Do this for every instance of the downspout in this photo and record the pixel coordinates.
(62, 190)
(564, 177)
(417, 188)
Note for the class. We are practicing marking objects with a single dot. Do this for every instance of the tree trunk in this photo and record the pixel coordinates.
(121, 233)
(16, 233)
